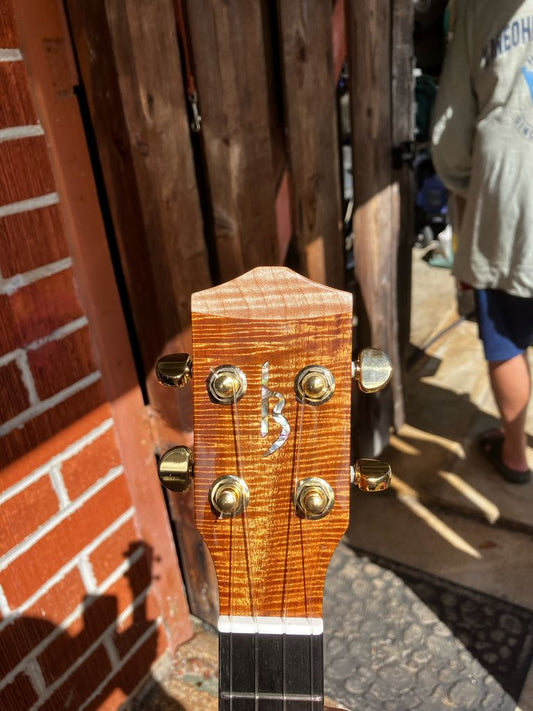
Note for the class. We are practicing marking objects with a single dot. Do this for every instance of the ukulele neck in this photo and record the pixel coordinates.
(271, 664)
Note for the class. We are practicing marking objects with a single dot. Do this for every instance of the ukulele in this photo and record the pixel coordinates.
(272, 382)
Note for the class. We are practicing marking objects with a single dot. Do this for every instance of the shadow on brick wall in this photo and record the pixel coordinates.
(93, 660)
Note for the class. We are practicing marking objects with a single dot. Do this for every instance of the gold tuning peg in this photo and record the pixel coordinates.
(372, 370)
(371, 475)
(176, 469)
(174, 370)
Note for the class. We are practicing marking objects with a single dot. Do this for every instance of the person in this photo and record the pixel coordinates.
(482, 148)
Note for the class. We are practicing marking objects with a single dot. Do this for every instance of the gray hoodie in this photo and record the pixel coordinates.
(482, 141)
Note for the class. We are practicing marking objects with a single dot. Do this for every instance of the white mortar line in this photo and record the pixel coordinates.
(138, 644)
(59, 333)
(44, 405)
(55, 520)
(69, 452)
(112, 653)
(12, 284)
(60, 574)
(8, 357)
(35, 203)
(10, 55)
(87, 574)
(59, 486)
(16, 132)
(34, 671)
(27, 379)
(4, 605)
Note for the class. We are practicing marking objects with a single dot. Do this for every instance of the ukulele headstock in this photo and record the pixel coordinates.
(272, 380)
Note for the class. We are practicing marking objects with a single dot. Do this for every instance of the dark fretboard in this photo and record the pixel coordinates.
(271, 672)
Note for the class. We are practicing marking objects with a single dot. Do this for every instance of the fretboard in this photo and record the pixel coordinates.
(261, 671)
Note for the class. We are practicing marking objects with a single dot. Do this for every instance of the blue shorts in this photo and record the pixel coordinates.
(505, 323)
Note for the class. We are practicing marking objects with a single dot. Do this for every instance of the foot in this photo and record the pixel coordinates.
(491, 445)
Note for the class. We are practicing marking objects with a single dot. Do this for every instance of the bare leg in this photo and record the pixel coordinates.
(511, 385)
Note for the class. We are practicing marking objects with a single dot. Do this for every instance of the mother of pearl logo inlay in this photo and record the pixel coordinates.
(277, 412)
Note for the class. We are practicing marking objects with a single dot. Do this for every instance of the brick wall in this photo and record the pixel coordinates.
(79, 622)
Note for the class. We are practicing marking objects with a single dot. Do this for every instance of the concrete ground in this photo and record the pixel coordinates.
(448, 514)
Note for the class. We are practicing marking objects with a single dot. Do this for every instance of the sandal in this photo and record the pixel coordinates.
(490, 445)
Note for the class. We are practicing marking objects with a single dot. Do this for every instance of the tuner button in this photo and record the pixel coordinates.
(372, 370)
(314, 498)
(371, 475)
(175, 469)
(174, 370)
(229, 496)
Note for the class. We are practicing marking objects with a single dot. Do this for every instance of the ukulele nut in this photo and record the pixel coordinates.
(227, 384)
(314, 498)
(174, 370)
(314, 385)
(371, 475)
(372, 370)
(229, 496)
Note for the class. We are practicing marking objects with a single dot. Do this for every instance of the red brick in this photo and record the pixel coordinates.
(19, 638)
(33, 568)
(114, 551)
(60, 363)
(25, 170)
(13, 391)
(18, 109)
(12, 446)
(44, 306)
(61, 600)
(31, 239)
(91, 464)
(9, 37)
(20, 694)
(22, 440)
(81, 683)
(71, 644)
(124, 682)
(9, 338)
(21, 515)
(132, 584)
(136, 624)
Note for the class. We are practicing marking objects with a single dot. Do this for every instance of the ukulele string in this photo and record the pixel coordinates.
(304, 543)
(246, 539)
(304, 522)
(294, 518)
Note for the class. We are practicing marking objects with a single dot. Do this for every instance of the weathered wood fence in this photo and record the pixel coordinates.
(259, 184)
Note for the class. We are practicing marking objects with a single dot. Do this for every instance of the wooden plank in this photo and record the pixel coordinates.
(227, 46)
(130, 66)
(403, 122)
(310, 110)
(369, 27)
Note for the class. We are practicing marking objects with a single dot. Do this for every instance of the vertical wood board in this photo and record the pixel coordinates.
(310, 108)
(375, 204)
(227, 43)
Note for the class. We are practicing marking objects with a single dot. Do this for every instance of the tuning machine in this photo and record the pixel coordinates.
(372, 370)
(176, 469)
(371, 475)
(174, 370)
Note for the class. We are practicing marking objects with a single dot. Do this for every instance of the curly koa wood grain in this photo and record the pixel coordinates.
(269, 561)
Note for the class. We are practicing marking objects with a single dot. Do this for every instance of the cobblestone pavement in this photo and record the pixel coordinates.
(385, 650)
(387, 647)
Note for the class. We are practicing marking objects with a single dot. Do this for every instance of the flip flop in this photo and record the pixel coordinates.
(490, 445)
